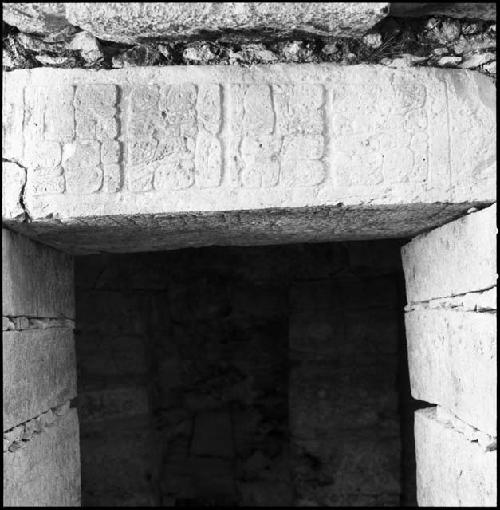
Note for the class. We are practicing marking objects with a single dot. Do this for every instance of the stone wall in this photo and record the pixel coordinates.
(221, 355)
(451, 279)
(41, 451)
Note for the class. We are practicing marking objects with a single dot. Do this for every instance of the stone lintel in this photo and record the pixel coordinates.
(189, 140)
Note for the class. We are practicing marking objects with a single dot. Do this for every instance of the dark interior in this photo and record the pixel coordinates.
(255, 376)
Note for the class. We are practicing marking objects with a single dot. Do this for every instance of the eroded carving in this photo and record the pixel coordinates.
(172, 138)
(72, 133)
(279, 131)
(365, 150)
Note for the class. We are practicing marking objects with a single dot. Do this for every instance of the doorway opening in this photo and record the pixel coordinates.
(245, 376)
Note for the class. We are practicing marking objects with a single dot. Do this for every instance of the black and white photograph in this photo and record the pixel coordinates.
(249, 254)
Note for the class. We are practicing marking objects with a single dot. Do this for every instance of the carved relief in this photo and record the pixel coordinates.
(73, 135)
(365, 150)
(278, 131)
(275, 134)
(172, 138)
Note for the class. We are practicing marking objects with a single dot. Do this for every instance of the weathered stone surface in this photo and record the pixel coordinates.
(452, 362)
(474, 10)
(39, 372)
(454, 259)
(42, 17)
(134, 21)
(123, 234)
(47, 471)
(451, 470)
(37, 280)
(213, 138)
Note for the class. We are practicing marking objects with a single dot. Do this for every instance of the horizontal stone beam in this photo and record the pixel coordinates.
(129, 22)
(452, 470)
(189, 139)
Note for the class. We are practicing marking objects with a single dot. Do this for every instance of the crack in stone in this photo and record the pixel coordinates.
(27, 218)
(20, 435)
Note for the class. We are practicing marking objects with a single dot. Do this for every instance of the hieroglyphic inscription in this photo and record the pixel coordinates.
(373, 145)
(172, 137)
(275, 134)
(72, 139)
(278, 134)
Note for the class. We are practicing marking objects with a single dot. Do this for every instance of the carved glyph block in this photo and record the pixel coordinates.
(172, 137)
(193, 138)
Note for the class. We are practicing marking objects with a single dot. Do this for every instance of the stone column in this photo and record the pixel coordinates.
(41, 436)
(451, 331)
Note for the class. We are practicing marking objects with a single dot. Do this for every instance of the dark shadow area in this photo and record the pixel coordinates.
(256, 376)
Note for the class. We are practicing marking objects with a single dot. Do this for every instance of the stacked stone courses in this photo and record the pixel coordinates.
(41, 435)
(451, 332)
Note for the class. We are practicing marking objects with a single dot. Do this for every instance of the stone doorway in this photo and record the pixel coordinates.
(152, 159)
(244, 376)
(312, 293)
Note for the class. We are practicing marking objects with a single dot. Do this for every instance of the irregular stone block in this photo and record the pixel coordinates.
(37, 280)
(46, 472)
(451, 470)
(173, 20)
(452, 362)
(39, 372)
(456, 258)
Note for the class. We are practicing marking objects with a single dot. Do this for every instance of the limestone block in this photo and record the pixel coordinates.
(259, 120)
(451, 470)
(456, 258)
(43, 17)
(46, 472)
(452, 362)
(37, 280)
(39, 372)
(197, 141)
(131, 22)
